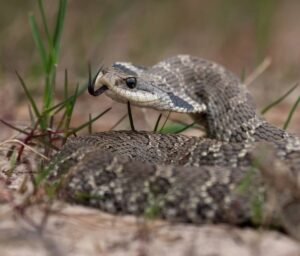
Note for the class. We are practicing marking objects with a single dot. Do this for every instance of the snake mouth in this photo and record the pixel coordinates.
(92, 83)
(98, 91)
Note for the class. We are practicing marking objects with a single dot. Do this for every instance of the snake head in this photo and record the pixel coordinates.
(125, 82)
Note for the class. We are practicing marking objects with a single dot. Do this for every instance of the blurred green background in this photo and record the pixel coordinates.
(238, 34)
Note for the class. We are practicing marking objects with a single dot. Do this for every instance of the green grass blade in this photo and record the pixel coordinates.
(276, 102)
(59, 26)
(38, 41)
(49, 89)
(88, 123)
(61, 121)
(30, 98)
(59, 106)
(66, 83)
(176, 128)
(62, 104)
(165, 122)
(69, 105)
(45, 24)
(185, 128)
(31, 115)
(289, 118)
(69, 108)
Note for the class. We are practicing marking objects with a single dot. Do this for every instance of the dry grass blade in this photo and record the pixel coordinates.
(258, 71)
(130, 116)
(25, 146)
(88, 123)
(291, 113)
(277, 101)
(118, 122)
(157, 122)
(22, 131)
(29, 96)
(165, 122)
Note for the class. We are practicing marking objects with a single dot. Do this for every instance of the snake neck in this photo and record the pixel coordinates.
(230, 109)
(246, 130)
(238, 122)
(228, 124)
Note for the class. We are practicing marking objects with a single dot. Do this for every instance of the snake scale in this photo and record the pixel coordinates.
(180, 178)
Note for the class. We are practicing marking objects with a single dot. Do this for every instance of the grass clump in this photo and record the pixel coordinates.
(49, 51)
(48, 44)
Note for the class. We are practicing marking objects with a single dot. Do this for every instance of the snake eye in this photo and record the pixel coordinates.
(131, 82)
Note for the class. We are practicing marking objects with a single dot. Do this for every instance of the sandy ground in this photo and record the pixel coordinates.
(74, 230)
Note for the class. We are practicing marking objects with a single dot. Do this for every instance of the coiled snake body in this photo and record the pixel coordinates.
(176, 177)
